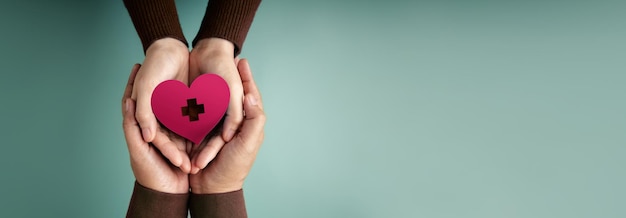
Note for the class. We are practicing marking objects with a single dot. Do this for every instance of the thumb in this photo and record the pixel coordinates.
(252, 129)
(145, 117)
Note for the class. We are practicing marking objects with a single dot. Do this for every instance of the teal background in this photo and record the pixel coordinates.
(375, 108)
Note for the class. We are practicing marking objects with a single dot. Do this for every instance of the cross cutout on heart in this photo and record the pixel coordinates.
(191, 112)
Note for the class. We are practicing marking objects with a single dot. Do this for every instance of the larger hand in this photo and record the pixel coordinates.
(166, 59)
(215, 55)
(229, 169)
(149, 167)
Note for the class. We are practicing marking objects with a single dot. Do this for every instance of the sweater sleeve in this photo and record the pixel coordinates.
(228, 19)
(154, 20)
(146, 202)
(227, 205)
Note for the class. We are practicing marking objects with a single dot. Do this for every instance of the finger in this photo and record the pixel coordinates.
(131, 129)
(169, 149)
(195, 148)
(129, 85)
(234, 115)
(252, 130)
(208, 153)
(249, 86)
(251, 134)
(193, 153)
(188, 147)
(145, 116)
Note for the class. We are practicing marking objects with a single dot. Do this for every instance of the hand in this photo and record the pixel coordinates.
(150, 168)
(165, 59)
(215, 55)
(230, 167)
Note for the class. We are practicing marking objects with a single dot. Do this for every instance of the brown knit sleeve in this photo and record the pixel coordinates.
(146, 202)
(155, 19)
(227, 205)
(228, 19)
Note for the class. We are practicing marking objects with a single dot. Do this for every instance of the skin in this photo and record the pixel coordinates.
(169, 58)
(166, 59)
(149, 166)
(225, 173)
(215, 55)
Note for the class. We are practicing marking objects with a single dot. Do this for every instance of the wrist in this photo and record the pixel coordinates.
(215, 47)
(169, 53)
(216, 188)
(168, 46)
(165, 188)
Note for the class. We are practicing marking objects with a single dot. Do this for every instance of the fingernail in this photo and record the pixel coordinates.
(229, 134)
(146, 134)
(127, 105)
(194, 170)
(252, 100)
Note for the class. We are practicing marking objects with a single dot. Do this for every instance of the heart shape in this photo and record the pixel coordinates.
(191, 112)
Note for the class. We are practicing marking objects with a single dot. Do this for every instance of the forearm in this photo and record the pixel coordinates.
(229, 20)
(154, 20)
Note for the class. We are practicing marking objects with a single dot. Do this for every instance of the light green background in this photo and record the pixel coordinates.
(473, 109)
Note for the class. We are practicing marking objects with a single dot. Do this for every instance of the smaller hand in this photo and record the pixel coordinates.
(150, 168)
(232, 164)
(166, 59)
(215, 55)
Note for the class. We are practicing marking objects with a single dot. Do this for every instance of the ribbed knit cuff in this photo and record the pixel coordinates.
(227, 205)
(154, 20)
(146, 202)
(228, 19)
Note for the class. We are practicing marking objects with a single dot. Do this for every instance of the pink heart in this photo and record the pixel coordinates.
(191, 112)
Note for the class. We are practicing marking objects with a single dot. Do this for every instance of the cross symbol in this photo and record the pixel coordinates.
(193, 109)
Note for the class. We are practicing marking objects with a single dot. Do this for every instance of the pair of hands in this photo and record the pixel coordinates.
(168, 59)
(156, 164)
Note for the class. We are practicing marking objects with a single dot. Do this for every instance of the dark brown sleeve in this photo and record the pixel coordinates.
(230, 205)
(228, 19)
(146, 202)
(155, 19)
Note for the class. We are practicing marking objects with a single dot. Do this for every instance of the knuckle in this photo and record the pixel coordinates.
(143, 117)
(127, 123)
(258, 123)
(238, 118)
(262, 118)
(234, 118)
